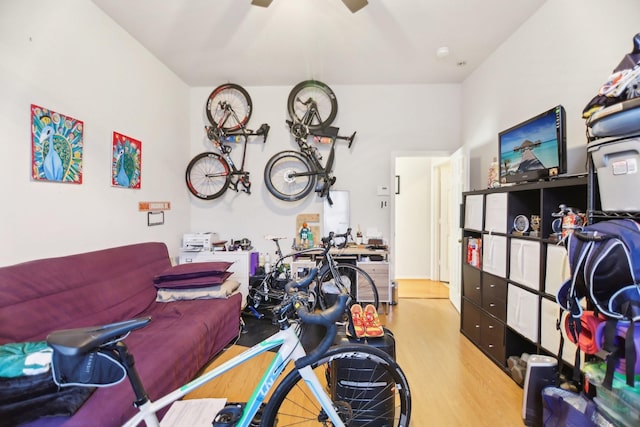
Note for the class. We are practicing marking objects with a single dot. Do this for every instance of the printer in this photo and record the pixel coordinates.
(199, 241)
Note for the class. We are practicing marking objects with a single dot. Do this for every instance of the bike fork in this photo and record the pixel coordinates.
(319, 392)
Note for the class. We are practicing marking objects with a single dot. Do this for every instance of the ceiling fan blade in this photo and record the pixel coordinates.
(355, 5)
(261, 3)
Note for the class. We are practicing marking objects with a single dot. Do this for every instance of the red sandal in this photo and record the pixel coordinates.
(373, 328)
(358, 321)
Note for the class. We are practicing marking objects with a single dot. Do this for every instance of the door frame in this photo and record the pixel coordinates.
(440, 156)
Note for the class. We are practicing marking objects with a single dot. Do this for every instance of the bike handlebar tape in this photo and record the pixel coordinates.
(328, 319)
(302, 285)
(591, 237)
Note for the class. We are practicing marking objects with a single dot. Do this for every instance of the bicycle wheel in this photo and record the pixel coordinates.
(359, 283)
(208, 176)
(365, 384)
(280, 178)
(229, 107)
(316, 98)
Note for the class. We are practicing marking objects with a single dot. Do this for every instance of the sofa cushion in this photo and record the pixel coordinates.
(74, 291)
(192, 271)
(196, 282)
(218, 291)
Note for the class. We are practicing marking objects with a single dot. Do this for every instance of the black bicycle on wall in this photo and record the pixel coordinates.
(292, 175)
(210, 174)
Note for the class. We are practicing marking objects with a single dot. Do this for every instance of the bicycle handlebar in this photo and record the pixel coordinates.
(326, 318)
(328, 241)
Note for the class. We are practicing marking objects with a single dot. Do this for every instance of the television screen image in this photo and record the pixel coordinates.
(534, 149)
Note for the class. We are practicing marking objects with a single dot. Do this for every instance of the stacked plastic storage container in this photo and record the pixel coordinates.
(615, 153)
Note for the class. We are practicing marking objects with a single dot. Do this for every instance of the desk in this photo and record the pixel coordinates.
(358, 255)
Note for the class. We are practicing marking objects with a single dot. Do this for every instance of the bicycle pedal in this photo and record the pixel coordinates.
(229, 415)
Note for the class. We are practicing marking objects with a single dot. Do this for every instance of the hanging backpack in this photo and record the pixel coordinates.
(605, 268)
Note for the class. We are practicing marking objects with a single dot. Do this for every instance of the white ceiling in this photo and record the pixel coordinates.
(209, 42)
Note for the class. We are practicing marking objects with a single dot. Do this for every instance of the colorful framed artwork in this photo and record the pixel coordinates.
(56, 146)
(126, 162)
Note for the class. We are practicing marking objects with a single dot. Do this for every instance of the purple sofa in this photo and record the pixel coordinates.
(107, 286)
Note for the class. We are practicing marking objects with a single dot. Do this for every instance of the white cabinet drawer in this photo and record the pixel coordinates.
(379, 273)
(240, 268)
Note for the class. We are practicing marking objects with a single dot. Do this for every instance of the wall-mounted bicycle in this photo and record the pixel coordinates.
(210, 174)
(291, 175)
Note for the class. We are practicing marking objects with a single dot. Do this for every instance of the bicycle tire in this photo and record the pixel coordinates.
(360, 284)
(319, 92)
(208, 176)
(277, 176)
(375, 393)
(240, 102)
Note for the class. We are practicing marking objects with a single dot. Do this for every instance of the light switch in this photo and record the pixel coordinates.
(383, 190)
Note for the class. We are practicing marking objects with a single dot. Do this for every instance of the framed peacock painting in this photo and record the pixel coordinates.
(126, 162)
(56, 146)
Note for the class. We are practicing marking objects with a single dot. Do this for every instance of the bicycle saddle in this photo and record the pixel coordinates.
(71, 342)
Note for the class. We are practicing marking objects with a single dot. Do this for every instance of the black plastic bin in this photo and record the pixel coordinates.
(362, 382)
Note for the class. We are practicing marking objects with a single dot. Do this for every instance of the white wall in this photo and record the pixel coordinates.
(68, 56)
(386, 118)
(561, 55)
(73, 59)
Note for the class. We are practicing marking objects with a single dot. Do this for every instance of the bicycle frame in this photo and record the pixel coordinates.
(218, 137)
(290, 351)
(266, 290)
(301, 132)
(265, 287)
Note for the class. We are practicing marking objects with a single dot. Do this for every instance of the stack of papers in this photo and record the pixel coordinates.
(193, 413)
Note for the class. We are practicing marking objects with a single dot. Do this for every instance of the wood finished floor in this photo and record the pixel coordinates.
(452, 382)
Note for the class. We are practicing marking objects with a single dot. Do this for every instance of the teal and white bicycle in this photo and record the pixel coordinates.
(333, 385)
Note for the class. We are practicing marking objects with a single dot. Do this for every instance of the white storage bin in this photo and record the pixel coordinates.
(496, 213)
(494, 254)
(550, 336)
(522, 312)
(473, 212)
(558, 270)
(525, 263)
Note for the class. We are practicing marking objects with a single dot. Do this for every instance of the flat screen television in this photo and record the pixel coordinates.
(534, 149)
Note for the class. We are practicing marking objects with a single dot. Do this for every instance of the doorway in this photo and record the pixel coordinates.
(416, 214)
(436, 246)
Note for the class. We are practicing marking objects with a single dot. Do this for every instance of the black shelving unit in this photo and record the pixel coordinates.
(489, 292)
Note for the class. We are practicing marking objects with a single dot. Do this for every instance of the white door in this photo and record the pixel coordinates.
(442, 233)
(459, 183)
